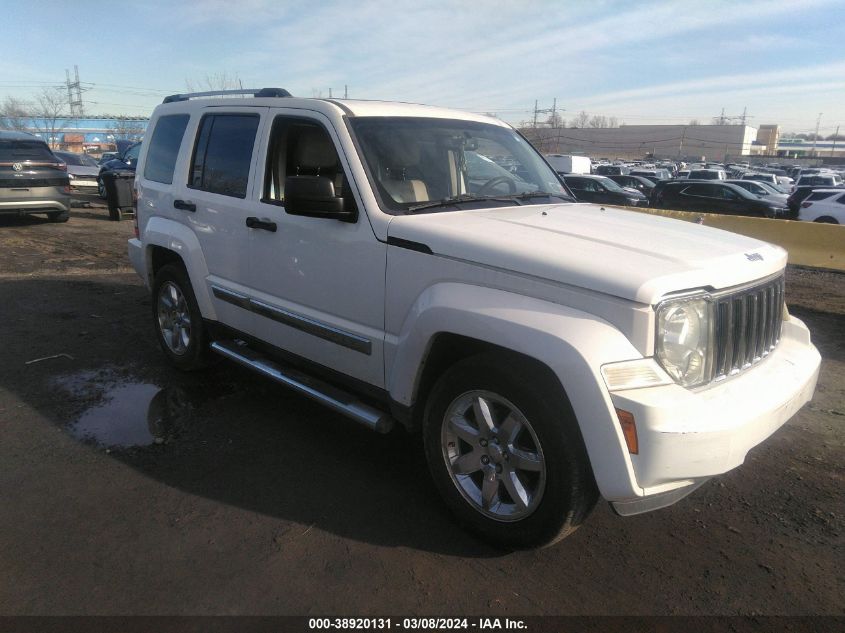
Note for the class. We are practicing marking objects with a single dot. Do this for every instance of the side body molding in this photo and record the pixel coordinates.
(180, 239)
(573, 344)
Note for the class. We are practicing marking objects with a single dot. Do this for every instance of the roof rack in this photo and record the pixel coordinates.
(255, 92)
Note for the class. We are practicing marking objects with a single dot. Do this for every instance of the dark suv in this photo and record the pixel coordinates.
(709, 196)
(125, 162)
(602, 190)
(32, 179)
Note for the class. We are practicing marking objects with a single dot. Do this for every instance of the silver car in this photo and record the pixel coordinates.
(32, 179)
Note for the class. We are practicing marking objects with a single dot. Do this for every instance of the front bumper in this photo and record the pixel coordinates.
(688, 436)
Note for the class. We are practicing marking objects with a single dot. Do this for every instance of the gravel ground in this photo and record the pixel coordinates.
(128, 488)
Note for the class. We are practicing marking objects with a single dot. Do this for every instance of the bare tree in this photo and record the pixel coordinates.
(555, 120)
(599, 120)
(581, 120)
(13, 114)
(694, 122)
(218, 81)
(613, 122)
(127, 129)
(50, 113)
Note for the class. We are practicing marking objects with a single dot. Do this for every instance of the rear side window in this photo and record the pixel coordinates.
(20, 151)
(164, 148)
(820, 195)
(223, 154)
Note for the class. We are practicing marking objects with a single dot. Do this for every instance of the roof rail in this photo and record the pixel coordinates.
(255, 92)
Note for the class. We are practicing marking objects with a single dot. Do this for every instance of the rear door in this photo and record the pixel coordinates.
(212, 198)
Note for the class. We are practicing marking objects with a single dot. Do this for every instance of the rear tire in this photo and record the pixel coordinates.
(520, 476)
(177, 319)
(59, 216)
(826, 219)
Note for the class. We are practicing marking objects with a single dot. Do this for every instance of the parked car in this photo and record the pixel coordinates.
(764, 191)
(32, 178)
(82, 170)
(126, 162)
(602, 190)
(800, 193)
(825, 205)
(770, 179)
(612, 170)
(654, 175)
(819, 180)
(546, 352)
(707, 174)
(713, 197)
(643, 185)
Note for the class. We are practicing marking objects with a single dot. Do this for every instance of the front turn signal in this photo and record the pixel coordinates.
(629, 430)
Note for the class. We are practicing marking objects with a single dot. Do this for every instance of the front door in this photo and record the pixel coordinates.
(319, 283)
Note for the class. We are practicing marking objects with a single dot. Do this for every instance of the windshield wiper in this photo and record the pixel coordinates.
(527, 195)
(447, 202)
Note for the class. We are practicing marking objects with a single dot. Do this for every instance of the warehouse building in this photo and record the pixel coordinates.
(92, 135)
(628, 142)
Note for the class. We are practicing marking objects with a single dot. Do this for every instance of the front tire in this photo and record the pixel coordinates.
(178, 320)
(505, 452)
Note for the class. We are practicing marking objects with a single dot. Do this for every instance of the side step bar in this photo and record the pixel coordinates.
(326, 394)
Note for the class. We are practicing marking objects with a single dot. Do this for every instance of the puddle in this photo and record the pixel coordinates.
(124, 413)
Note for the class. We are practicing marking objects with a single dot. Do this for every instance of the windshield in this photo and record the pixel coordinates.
(413, 161)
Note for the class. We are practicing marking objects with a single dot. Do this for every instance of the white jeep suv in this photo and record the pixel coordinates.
(421, 267)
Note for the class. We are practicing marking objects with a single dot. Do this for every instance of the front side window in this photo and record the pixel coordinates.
(416, 160)
(301, 147)
(223, 154)
(164, 148)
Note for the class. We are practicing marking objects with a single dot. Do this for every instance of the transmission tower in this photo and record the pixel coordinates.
(74, 92)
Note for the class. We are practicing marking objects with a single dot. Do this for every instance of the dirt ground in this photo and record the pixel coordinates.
(128, 488)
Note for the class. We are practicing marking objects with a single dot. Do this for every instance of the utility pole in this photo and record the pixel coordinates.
(833, 149)
(330, 93)
(722, 117)
(535, 113)
(744, 109)
(554, 111)
(345, 92)
(816, 135)
(681, 144)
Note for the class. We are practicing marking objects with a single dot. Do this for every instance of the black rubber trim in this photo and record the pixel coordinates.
(410, 245)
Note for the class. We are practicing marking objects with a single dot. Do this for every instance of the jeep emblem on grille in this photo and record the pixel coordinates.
(17, 166)
(754, 257)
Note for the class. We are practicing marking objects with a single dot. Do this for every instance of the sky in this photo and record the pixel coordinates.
(641, 62)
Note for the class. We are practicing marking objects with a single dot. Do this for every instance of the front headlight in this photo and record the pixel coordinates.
(684, 340)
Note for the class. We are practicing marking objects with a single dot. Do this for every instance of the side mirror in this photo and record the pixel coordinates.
(314, 197)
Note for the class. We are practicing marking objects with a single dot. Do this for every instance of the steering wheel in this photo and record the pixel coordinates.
(498, 180)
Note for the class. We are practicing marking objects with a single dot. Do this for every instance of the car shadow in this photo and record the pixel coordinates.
(225, 433)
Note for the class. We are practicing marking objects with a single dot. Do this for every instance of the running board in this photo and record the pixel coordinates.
(325, 394)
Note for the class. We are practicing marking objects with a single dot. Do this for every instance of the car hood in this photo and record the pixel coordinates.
(626, 254)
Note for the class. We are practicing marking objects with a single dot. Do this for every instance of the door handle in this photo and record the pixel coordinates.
(261, 223)
(185, 206)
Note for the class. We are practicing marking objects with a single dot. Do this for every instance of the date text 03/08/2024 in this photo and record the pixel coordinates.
(489, 624)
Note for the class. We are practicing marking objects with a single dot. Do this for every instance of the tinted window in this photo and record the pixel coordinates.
(820, 195)
(709, 191)
(34, 150)
(164, 148)
(223, 154)
(132, 153)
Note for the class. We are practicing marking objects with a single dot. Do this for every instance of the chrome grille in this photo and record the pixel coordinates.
(747, 326)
